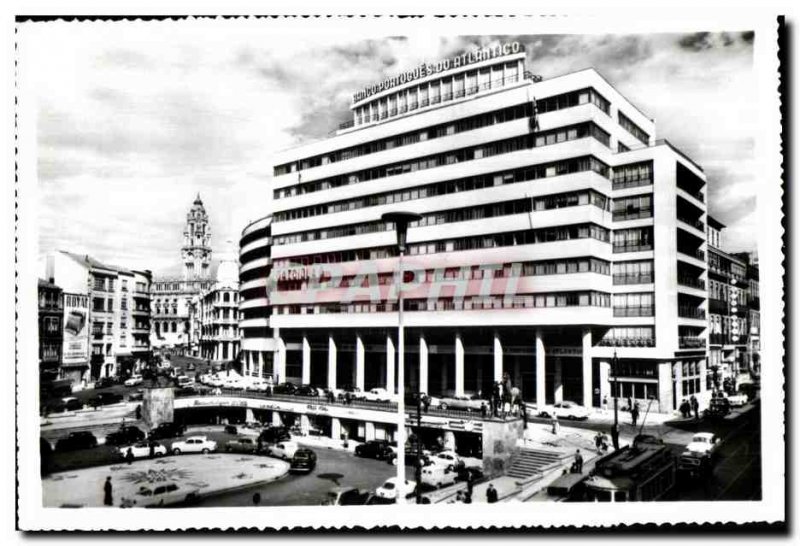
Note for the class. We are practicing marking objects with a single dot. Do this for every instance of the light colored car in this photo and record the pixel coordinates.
(705, 443)
(162, 494)
(133, 380)
(438, 476)
(736, 400)
(469, 402)
(390, 488)
(378, 395)
(565, 410)
(142, 449)
(282, 450)
(445, 459)
(243, 444)
(193, 444)
(699, 454)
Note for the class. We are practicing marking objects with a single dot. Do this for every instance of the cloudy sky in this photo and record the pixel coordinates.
(134, 121)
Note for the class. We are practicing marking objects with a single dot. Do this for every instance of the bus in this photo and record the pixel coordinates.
(642, 472)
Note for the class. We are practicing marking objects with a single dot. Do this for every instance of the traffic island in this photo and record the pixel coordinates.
(161, 481)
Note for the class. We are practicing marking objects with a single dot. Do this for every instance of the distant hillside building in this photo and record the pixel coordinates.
(172, 296)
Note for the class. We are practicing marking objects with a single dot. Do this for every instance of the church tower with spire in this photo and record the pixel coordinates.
(196, 249)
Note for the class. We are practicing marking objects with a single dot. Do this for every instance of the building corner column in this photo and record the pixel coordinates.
(423, 365)
(332, 360)
(586, 361)
(497, 374)
(459, 361)
(306, 366)
(359, 363)
(540, 375)
(390, 359)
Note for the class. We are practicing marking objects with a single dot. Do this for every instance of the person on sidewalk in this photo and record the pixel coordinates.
(108, 498)
(129, 455)
(695, 407)
(491, 494)
(605, 404)
(556, 425)
(578, 462)
(635, 413)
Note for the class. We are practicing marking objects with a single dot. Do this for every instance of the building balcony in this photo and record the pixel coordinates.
(691, 313)
(696, 254)
(633, 279)
(632, 248)
(696, 224)
(140, 311)
(691, 342)
(692, 282)
(141, 295)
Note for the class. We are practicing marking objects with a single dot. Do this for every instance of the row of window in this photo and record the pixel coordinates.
(525, 174)
(505, 208)
(548, 104)
(633, 208)
(434, 92)
(556, 299)
(626, 123)
(467, 273)
(452, 157)
(629, 336)
(503, 115)
(633, 239)
(637, 272)
(527, 237)
(633, 175)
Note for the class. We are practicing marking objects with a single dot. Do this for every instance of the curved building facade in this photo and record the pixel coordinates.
(257, 342)
(556, 234)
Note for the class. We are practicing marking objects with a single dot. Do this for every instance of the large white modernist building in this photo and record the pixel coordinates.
(556, 232)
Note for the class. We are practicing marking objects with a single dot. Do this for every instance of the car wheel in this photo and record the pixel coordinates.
(176, 451)
(443, 406)
(205, 451)
(228, 449)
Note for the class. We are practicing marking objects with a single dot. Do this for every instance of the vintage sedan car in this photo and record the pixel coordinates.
(142, 449)
(282, 450)
(82, 439)
(133, 380)
(193, 444)
(167, 430)
(378, 395)
(163, 494)
(346, 496)
(125, 436)
(390, 489)
(375, 449)
(565, 410)
(699, 455)
(468, 402)
(304, 460)
(242, 444)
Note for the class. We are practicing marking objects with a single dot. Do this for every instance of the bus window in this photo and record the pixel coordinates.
(602, 496)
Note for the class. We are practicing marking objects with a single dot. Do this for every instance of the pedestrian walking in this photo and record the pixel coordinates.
(108, 498)
(470, 483)
(598, 441)
(605, 404)
(491, 494)
(630, 404)
(129, 455)
(467, 498)
(256, 498)
(152, 446)
(524, 410)
(635, 413)
(578, 462)
(483, 410)
(139, 412)
(695, 407)
(556, 425)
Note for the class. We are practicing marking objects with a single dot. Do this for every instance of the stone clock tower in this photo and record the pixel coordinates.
(196, 249)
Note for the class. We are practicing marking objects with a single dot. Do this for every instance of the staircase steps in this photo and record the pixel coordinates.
(529, 462)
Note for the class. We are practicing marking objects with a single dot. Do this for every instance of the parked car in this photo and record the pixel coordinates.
(438, 476)
(142, 449)
(125, 436)
(374, 449)
(306, 390)
(105, 399)
(389, 489)
(136, 396)
(133, 380)
(378, 395)
(193, 444)
(468, 402)
(183, 380)
(242, 444)
(282, 450)
(105, 382)
(167, 430)
(82, 439)
(446, 459)
(565, 410)
(284, 388)
(346, 496)
(273, 435)
(700, 453)
(736, 400)
(717, 408)
(304, 460)
(162, 495)
(231, 429)
(72, 404)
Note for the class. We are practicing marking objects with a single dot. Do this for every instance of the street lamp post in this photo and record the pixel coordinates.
(615, 429)
(401, 221)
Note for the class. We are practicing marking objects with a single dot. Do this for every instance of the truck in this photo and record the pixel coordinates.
(698, 457)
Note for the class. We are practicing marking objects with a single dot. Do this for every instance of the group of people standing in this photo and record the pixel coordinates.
(505, 399)
(689, 407)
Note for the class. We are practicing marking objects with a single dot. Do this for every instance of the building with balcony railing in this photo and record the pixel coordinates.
(733, 320)
(99, 306)
(51, 333)
(213, 315)
(539, 253)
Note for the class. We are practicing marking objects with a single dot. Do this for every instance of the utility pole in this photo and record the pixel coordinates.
(615, 429)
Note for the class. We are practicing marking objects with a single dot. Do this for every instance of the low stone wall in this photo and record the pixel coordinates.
(158, 406)
(500, 445)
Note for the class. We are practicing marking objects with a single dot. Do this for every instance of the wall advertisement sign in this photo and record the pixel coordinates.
(76, 329)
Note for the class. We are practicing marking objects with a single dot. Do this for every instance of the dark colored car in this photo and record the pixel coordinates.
(273, 435)
(284, 388)
(245, 444)
(105, 398)
(231, 429)
(718, 408)
(374, 449)
(105, 382)
(304, 460)
(125, 436)
(77, 440)
(306, 390)
(167, 430)
(73, 404)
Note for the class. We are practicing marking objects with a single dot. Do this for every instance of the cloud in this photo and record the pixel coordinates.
(135, 120)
